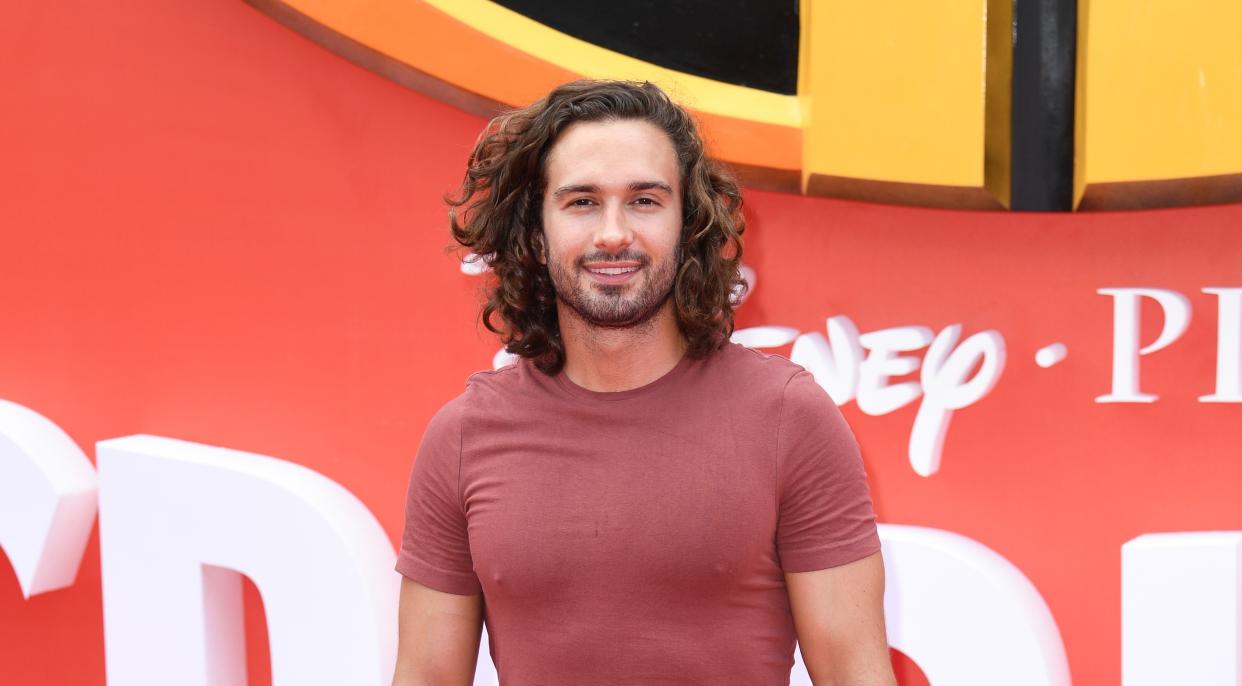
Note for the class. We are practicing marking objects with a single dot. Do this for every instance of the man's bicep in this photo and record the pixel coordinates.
(438, 636)
(839, 616)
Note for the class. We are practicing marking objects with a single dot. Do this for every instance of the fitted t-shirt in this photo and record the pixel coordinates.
(640, 536)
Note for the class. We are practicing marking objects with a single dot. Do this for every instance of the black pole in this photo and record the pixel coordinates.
(1042, 152)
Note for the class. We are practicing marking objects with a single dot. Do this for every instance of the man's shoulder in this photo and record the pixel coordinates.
(505, 384)
(500, 377)
(482, 388)
(761, 380)
(799, 397)
(765, 385)
(756, 369)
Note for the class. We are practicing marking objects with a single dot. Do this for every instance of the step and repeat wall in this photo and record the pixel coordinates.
(228, 313)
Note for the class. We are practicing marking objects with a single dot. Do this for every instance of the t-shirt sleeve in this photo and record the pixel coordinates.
(825, 515)
(435, 550)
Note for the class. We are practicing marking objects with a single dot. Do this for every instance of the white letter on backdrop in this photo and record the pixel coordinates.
(1180, 609)
(1228, 346)
(966, 615)
(178, 523)
(1126, 328)
(946, 389)
(834, 360)
(875, 396)
(47, 500)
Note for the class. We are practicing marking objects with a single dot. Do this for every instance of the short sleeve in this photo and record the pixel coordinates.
(825, 514)
(435, 550)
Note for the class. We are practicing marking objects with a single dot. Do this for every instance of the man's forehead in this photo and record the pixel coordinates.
(612, 153)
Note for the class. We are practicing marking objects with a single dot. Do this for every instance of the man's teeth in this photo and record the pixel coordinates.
(614, 270)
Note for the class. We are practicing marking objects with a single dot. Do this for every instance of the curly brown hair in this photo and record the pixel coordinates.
(497, 215)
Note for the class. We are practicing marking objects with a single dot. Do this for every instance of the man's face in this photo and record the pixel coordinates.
(612, 220)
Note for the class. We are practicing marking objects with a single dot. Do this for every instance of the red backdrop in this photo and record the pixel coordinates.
(216, 231)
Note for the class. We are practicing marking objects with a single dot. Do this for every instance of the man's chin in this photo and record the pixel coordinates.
(633, 315)
(612, 320)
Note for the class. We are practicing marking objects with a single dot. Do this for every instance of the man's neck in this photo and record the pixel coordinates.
(610, 360)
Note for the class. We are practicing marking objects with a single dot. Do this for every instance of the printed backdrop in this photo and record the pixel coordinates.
(213, 230)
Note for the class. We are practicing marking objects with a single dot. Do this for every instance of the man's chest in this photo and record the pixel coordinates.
(688, 513)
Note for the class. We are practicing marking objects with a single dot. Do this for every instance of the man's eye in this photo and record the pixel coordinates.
(645, 201)
(582, 202)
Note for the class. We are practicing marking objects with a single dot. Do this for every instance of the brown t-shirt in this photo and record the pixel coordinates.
(638, 537)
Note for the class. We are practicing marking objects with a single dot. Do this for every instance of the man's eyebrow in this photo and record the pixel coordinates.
(575, 188)
(651, 185)
(592, 188)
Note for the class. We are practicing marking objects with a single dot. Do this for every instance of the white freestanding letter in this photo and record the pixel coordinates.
(47, 500)
(1126, 350)
(966, 615)
(180, 521)
(1228, 346)
(1180, 611)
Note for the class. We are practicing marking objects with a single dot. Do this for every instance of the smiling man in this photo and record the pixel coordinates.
(636, 500)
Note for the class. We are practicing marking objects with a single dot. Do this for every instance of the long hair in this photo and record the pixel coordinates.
(497, 215)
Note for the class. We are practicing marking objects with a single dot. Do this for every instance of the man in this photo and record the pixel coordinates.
(636, 500)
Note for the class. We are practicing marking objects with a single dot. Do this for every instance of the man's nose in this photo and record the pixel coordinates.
(613, 233)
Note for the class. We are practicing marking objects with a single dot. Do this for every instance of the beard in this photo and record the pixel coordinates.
(620, 306)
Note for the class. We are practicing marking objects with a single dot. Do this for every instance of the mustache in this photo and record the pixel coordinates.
(623, 256)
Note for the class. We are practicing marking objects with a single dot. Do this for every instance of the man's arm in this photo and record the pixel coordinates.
(839, 615)
(437, 636)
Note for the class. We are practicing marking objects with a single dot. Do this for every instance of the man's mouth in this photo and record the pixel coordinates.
(612, 274)
(613, 270)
